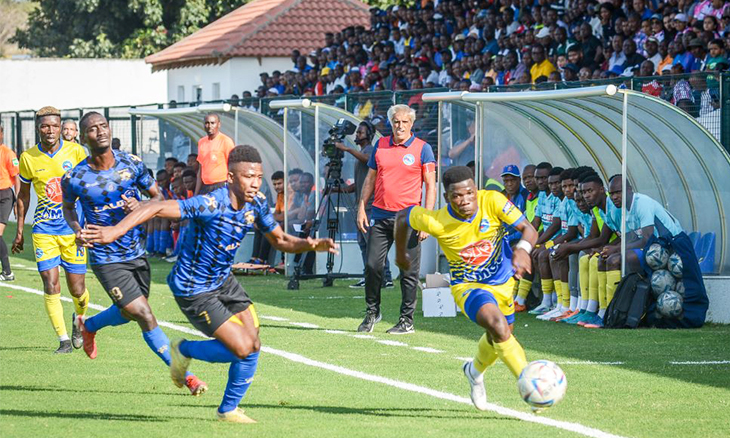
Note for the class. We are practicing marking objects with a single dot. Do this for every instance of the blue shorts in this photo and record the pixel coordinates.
(471, 299)
(642, 260)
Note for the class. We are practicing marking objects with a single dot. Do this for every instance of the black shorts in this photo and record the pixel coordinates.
(209, 310)
(7, 200)
(124, 282)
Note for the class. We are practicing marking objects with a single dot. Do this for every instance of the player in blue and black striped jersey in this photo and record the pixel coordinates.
(201, 280)
(108, 185)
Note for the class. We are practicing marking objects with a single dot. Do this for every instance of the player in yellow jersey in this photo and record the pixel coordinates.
(471, 231)
(54, 242)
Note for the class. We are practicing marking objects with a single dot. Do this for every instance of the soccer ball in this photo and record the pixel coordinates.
(662, 281)
(542, 384)
(656, 257)
(674, 265)
(679, 288)
(669, 304)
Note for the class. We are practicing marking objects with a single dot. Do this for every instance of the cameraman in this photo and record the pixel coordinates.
(400, 165)
(364, 138)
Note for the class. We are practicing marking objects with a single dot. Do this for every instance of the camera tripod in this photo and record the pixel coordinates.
(329, 210)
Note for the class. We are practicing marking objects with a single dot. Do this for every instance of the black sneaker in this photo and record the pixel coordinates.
(370, 320)
(360, 284)
(403, 327)
(388, 284)
(65, 347)
(76, 339)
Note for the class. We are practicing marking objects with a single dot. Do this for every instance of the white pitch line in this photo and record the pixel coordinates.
(393, 343)
(272, 318)
(524, 416)
(304, 325)
(702, 362)
(363, 336)
(427, 349)
(463, 358)
(336, 332)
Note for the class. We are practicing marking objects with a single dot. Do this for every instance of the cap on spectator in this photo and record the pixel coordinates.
(544, 32)
(667, 68)
(273, 90)
(354, 70)
(656, 17)
(383, 65)
(313, 53)
(482, 13)
(652, 39)
(571, 67)
(473, 33)
(459, 37)
(375, 68)
(681, 17)
(696, 42)
(438, 16)
(325, 71)
(511, 169)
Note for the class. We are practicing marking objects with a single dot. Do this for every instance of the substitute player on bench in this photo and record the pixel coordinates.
(470, 231)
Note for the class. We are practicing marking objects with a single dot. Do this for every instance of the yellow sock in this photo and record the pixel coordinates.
(612, 279)
(558, 290)
(524, 289)
(583, 277)
(486, 356)
(512, 354)
(593, 278)
(82, 303)
(602, 304)
(566, 294)
(55, 313)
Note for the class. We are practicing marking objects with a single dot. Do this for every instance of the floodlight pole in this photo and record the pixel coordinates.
(440, 170)
(624, 153)
(478, 153)
(235, 128)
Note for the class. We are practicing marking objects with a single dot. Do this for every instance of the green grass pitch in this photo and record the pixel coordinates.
(619, 382)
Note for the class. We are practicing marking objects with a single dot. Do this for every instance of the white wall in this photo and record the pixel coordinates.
(78, 83)
(234, 76)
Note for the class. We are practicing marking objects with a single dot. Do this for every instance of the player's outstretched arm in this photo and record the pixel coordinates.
(400, 236)
(521, 260)
(105, 235)
(287, 243)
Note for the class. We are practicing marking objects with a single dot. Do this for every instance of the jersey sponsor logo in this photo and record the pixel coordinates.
(409, 159)
(53, 190)
(232, 246)
(51, 213)
(15, 162)
(483, 226)
(112, 206)
(38, 253)
(210, 202)
(67, 165)
(477, 253)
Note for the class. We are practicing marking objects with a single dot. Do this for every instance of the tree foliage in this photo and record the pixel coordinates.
(115, 28)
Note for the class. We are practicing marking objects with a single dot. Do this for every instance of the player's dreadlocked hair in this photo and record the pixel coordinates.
(47, 111)
(244, 154)
(85, 119)
(455, 175)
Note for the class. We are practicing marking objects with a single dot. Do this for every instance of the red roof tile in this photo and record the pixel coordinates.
(263, 28)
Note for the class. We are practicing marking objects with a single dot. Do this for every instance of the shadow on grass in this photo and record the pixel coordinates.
(83, 415)
(96, 391)
(24, 349)
(448, 414)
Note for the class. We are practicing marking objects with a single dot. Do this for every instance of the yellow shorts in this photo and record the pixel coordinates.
(470, 297)
(51, 251)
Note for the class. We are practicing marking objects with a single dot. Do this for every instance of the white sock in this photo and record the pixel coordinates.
(592, 306)
(520, 301)
(545, 300)
(601, 312)
(473, 371)
(554, 299)
(573, 303)
(63, 338)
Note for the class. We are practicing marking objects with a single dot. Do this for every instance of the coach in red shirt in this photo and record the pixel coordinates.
(399, 167)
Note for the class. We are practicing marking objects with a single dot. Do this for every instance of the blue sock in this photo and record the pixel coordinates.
(151, 242)
(165, 240)
(208, 351)
(110, 316)
(240, 376)
(157, 340)
(158, 241)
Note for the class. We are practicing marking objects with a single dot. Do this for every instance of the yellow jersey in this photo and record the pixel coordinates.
(44, 171)
(476, 248)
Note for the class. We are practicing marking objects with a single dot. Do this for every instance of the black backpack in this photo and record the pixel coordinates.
(629, 304)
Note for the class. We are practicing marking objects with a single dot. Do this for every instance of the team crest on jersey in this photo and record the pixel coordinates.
(134, 157)
(508, 207)
(477, 253)
(38, 253)
(67, 165)
(409, 159)
(249, 217)
(53, 190)
(15, 162)
(483, 226)
(124, 174)
(210, 202)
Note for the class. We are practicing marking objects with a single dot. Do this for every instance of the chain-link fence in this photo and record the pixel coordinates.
(704, 96)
